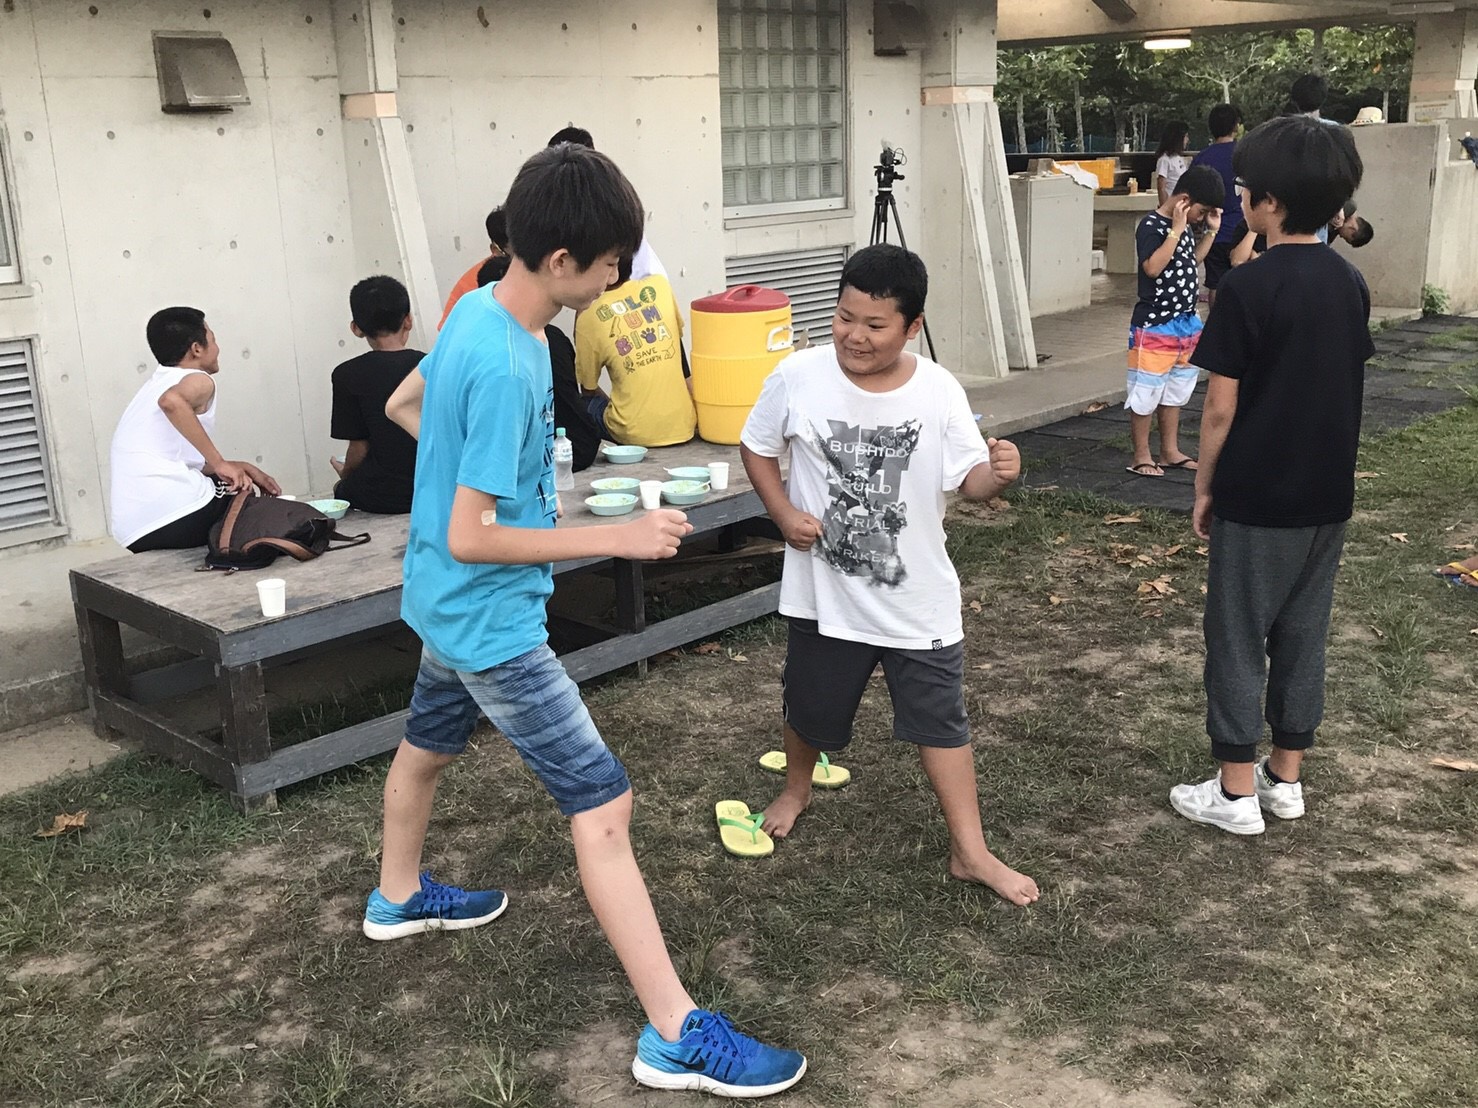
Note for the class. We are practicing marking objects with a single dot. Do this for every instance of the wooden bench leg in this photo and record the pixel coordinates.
(631, 603)
(244, 732)
(101, 643)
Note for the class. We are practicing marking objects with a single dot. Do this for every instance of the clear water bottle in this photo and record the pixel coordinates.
(564, 461)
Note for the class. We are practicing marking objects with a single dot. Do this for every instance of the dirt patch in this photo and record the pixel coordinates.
(54, 965)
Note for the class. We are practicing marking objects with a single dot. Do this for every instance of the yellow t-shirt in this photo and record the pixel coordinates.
(635, 332)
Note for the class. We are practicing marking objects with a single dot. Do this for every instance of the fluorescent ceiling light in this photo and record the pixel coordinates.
(1166, 43)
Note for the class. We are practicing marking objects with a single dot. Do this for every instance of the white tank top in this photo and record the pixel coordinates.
(156, 475)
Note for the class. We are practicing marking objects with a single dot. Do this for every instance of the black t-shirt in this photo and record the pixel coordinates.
(570, 410)
(1174, 291)
(1292, 327)
(362, 386)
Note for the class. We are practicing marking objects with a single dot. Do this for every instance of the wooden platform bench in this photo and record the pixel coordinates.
(348, 594)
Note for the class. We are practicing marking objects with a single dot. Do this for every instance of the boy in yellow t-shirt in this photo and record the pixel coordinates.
(634, 331)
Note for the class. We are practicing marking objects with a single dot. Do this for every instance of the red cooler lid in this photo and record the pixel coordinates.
(744, 298)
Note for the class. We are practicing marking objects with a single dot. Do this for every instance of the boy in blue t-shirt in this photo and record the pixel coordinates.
(477, 574)
(1224, 122)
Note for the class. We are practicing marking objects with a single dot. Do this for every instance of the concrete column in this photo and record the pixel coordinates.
(384, 202)
(1444, 67)
(977, 300)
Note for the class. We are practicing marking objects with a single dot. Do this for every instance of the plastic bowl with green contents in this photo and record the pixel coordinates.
(616, 484)
(334, 509)
(684, 492)
(610, 503)
(623, 455)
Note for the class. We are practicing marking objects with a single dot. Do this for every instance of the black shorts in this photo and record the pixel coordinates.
(825, 677)
(1218, 263)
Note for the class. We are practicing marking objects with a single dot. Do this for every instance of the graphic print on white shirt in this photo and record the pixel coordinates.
(859, 532)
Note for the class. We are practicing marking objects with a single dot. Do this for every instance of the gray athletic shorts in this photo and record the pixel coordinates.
(825, 677)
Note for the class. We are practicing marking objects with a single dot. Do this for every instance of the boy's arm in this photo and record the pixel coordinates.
(404, 406)
(181, 405)
(1213, 225)
(354, 457)
(1216, 421)
(800, 529)
(990, 478)
(1155, 264)
(654, 535)
(1242, 252)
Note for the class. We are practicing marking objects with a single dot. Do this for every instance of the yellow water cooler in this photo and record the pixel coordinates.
(739, 336)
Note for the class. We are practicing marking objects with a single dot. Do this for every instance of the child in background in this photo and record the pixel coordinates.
(1224, 122)
(1170, 160)
(497, 228)
(1164, 326)
(876, 438)
(1286, 347)
(379, 465)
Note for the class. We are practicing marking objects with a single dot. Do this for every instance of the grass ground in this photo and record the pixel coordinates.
(177, 954)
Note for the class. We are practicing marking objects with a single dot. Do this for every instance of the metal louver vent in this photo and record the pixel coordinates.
(808, 277)
(26, 498)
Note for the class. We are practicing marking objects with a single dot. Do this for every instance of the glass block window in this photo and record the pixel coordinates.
(782, 86)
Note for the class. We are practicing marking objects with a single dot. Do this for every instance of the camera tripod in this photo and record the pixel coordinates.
(885, 173)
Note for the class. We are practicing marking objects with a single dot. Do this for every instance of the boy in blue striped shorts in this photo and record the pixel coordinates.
(477, 575)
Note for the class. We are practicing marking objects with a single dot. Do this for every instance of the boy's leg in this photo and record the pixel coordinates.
(618, 896)
(822, 684)
(1179, 385)
(951, 771)
(927, 690)
(1139, 435)
(1296, 650)
(410, 788)
(1170, 452)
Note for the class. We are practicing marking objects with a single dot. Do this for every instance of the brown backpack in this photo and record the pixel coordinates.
(256, 529)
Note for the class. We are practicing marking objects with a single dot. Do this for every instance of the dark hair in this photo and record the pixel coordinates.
(1172, 139)
(1223, 120)
(494, 269)
(1309, 92)
(886, 270)
(623, 270)
(570, 197)
(1312, 168)
(1203, 185)
(379, 305)
(497, 227)
(578, 135)
(1364, 232)
(172, 331)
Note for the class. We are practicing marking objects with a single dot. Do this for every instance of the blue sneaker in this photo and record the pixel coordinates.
(436, 907)
(712, 1057)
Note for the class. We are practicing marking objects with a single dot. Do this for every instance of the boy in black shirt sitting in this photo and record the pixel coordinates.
(379, 467)
(1286, 345)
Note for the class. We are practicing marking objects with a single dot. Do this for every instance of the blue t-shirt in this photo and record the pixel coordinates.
(487, 422)
(1218, 155)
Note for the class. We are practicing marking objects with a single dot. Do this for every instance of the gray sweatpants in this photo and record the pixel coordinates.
(1269, 591)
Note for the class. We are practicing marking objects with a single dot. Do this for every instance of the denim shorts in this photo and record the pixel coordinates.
(532, 700)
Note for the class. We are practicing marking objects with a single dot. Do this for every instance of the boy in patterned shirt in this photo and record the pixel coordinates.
(1164, 327)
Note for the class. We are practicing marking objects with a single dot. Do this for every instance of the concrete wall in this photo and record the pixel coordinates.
(1423, 202)
(123, 209)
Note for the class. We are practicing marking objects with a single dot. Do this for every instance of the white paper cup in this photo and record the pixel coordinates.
(273, 594)
(651, 494)
(718, 475)
(286, 496)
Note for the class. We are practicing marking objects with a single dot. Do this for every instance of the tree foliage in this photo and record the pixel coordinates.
(1124, 93)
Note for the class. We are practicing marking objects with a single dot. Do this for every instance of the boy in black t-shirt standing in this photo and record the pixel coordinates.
(1286, 346)
(379, 466)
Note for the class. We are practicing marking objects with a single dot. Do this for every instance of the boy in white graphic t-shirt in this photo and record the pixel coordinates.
(877, 437)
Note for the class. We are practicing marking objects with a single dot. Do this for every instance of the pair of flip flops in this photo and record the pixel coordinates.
(1461, 577)
(739, 829)
(1146, 469)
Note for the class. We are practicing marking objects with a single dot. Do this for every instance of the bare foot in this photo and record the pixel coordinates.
(994, 874)
(784, 810)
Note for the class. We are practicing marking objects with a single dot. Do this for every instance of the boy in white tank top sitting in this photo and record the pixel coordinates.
(169, 483)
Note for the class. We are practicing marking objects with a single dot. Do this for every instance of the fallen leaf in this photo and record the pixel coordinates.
(1204, 551)
(1054, 600)
(1174, 550)
(1045, 488)
(984, 665)
(1178, 600)
(1474, 631)
(1059, 540)
(1203, 590)
(63, 822)
(1151, 613)
(1160, 586)
(999, 503)
(1111, 520)
(975, 605)
(707, 648)
(737, 657)
(1464, 546)
(1145, 560)
(1364, 473)
(1399, 536)
(1462, 765)
(1378, 632)
(1096, 407)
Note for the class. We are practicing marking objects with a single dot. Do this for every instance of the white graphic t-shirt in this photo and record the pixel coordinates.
(874, 468)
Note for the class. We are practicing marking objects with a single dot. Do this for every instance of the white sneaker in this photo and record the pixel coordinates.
(1206, 803)
(1284, 799)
